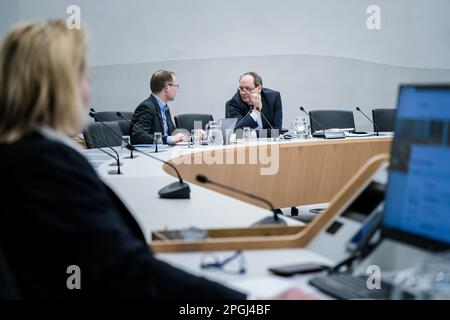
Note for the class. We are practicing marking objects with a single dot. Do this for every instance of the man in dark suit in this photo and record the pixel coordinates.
(254, 106)
(153, 114)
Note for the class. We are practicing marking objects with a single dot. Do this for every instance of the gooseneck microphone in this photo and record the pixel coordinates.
(120, 115)
(175, 190)
(311, 117)
(326, 134)
(100, 148)
(374, 124)
(94, 116)
(268, 220)
(240, 121)
(264, 117)
(117, 158)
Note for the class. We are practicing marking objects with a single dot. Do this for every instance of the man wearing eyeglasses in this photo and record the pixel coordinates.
(254, 106)
(153, 114)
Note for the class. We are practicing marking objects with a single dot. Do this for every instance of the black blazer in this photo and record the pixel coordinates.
(147, 120)
(56, 213)
(272, 110)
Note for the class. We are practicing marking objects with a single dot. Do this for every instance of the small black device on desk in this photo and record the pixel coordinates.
(298, 268)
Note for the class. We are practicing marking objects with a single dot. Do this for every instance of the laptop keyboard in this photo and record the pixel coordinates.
(346, 286)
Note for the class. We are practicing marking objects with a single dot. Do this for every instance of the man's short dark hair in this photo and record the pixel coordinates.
(257, 80)
(160, 79)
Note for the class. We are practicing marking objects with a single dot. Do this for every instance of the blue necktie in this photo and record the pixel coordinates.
(163, 115)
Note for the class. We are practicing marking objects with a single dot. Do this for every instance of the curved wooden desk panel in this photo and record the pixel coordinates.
(271, 237)
(308, 171)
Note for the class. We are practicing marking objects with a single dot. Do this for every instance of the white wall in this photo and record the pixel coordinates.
(317, 53)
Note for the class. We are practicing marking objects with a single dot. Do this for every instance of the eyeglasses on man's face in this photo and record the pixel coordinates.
(246, 90)
(234, 264)
(174, 85)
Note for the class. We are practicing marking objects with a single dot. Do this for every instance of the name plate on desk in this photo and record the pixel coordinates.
(263, 237)
(331, 134)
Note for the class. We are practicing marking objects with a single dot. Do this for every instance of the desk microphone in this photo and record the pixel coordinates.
(175, 190)
(93, 110)
(311, 117)
(262, 114)
(248, 113)
(118, 163)
(374, 124)
(326, 135)
(94, 116)
(268, 220)
(120, 115)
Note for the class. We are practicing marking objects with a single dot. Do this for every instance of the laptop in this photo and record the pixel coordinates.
(416, 217)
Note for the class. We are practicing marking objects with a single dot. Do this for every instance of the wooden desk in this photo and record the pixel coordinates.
(309, 171)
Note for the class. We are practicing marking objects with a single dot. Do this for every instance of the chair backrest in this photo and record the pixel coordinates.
(125, 127)
(95, 134)
(112, 116)
(384, 119)
(331, 119)
(9, 289)
(227, 112)
(186, 121)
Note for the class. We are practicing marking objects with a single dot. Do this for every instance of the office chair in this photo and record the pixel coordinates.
(9, 289)
(186, 121)
(227, 112)
(125, 127)
(384, 119)
(331, 119)
(112, 116)
(97, 130)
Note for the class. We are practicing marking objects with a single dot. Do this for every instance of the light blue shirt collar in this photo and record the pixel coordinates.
(162, 104)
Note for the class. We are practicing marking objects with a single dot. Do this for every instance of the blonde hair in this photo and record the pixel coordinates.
(41, 65)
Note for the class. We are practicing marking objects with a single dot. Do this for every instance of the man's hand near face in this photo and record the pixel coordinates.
(256, 102)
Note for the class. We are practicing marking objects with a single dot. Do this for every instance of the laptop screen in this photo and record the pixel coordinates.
(417, 208)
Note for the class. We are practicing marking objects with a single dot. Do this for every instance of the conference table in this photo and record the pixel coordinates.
(287, 173)
(308, 172)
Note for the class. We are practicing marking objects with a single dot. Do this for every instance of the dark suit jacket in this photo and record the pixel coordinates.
(272, 110)
(147, 120)
(56, 213)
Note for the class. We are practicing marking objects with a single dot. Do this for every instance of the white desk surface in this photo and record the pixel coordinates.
(138, 188)
(257, 280)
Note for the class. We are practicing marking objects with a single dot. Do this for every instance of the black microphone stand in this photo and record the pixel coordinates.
(268, 220)
(326, 135)
(175, 190)
(374, 124)
(94, 116)
(271, 127)
(118, 172)
(119, 114)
